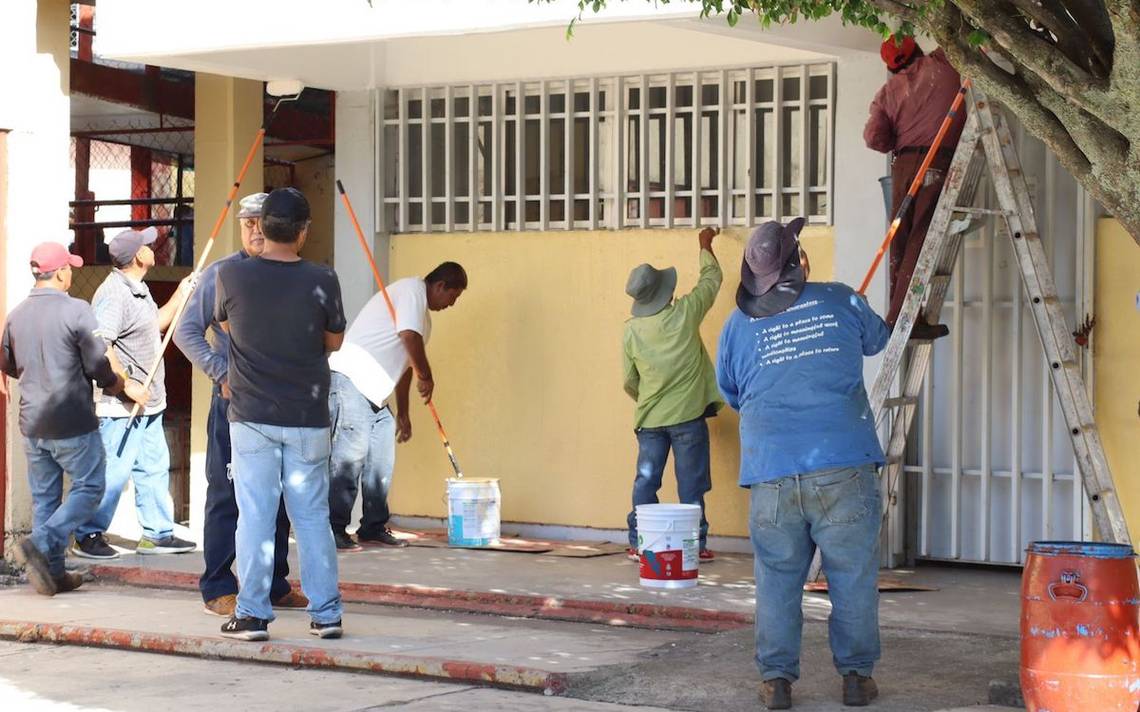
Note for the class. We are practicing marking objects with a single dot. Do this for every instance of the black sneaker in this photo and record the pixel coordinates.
(169, 545)
(858, 691)
(928, 332)
(93, 546)
(246, 628)
(384, 538)
(344, 541)
(326, 630)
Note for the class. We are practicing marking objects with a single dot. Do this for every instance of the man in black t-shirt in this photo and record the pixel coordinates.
(283, 315)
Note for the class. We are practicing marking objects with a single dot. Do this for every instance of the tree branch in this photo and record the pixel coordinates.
(897, 9)
(1092, 17)
(1072, 39)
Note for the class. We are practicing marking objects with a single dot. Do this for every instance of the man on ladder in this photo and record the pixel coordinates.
(905, 116)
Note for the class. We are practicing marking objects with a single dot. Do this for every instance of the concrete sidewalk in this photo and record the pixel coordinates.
(981, 601)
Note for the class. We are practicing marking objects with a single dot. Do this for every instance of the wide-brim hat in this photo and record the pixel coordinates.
(771, 277)
(652, 289)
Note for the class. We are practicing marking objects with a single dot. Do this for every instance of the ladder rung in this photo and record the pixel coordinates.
(980, 211)
(900, 401)
(940, 278)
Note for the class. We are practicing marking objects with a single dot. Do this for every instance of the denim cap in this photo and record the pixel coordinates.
(124, 246)
(651, 289)
(771, 278)
(250, 205)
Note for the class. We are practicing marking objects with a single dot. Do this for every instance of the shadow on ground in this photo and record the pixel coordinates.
(920, 671)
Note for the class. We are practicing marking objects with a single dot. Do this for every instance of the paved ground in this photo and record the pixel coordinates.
(983, 601)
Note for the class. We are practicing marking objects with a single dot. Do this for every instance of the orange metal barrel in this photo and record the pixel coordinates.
(1080, 636)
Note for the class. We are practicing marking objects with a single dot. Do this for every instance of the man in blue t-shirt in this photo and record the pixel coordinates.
(791, 362)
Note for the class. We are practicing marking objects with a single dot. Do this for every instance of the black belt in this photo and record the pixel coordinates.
(942, 151)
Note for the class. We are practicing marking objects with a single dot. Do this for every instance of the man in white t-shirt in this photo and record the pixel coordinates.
(377, 359)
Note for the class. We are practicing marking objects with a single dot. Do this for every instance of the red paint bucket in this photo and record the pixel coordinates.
(1080, 636)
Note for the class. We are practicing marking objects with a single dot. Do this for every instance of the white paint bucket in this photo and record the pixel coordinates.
(669, 542)
(472, 511)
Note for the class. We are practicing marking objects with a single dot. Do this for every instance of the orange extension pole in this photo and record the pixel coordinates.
(392, 312)
(169, 335)
(917, 182)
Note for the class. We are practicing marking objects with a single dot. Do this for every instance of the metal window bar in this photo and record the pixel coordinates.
(402, 178)
(805, 140)
(755, 161)
(670, 148)
(448, 160)
(594, 162)
(724, 200)
(472, 157)
(696, 179)
(520, 155)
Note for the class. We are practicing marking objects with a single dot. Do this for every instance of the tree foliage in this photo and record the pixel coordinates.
(1069, 69)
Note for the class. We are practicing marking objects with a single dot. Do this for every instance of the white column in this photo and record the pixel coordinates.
(356, 133)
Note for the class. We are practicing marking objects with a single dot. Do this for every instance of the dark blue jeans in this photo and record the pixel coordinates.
(53, 517)
(690, 444)
(218, 537)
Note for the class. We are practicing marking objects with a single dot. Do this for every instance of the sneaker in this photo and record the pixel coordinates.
(69, 581)
(632, 555)
(706, 556)
(169, 545)
(223, 606)
(344, 541)
(384, 538)
(776, 694)
(39, 574)
(246, 628)
(326, 630)
(93, 546)
(291, 600)
(858, 691)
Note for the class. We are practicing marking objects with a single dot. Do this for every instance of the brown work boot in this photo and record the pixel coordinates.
(776, 694)
(69, 581)
(292, 600)
(223, 606)
(858, 691)
(928, 332)
(36, 566)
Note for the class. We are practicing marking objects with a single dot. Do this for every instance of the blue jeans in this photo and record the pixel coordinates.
(145, 458)
(53, 518)
(221, 516)
(690, 443)
(363, 456)
(268, 461)
(839, 511)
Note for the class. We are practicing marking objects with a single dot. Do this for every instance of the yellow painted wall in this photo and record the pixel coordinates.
(527, 369)
(1116, 361)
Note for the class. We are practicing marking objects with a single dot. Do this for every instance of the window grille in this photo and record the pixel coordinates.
(725, 147)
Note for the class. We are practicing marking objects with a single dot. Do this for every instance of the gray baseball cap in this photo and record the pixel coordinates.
(250, 205)
(124, 246)
(651, 289)
(771, 278)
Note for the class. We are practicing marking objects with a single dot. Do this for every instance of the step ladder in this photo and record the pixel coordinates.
(986, 143)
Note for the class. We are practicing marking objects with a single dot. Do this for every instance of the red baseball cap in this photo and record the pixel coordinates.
(50, 256)
(897, 55)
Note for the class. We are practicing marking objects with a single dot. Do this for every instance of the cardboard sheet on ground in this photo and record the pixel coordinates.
(437, 538)
(885, 584)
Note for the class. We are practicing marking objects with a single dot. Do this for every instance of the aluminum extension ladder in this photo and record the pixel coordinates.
(986, 142)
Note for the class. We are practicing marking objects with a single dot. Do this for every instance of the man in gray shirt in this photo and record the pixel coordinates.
(49, 344)
(131, 324)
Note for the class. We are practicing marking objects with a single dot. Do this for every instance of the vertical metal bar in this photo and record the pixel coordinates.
(621, 173)
(403, 160)
(695, 176)
(497, 157)
(755, 163)
(425, 145)
(543, 158)
(831, 145)
(956, 409)
(927, 459)
(1015, 438)
(986, 351)
(594, 162)
(448, 160)
(805, 131)
(379, 129)
(727, 153)
(1048, 236)
(670, 117)
(778, 129)
(568, 159)
(472, 157)
(520, 156)
(644, 157)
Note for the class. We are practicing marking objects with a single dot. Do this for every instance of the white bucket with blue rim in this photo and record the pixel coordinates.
(473, 511)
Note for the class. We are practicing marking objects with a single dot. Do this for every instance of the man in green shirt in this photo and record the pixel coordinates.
(669, 373)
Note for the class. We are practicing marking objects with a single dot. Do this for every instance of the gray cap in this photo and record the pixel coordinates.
(651, 289)
(250, 205)
(124, 246)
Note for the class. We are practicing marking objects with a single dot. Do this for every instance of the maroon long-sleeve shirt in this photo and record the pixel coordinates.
(910, 107)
